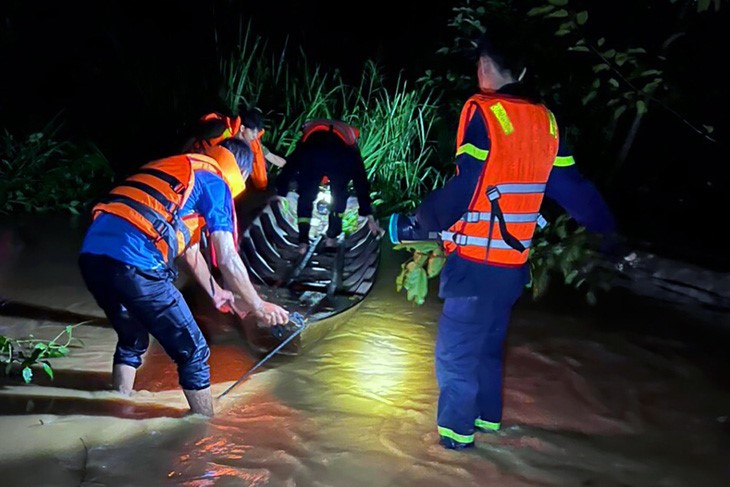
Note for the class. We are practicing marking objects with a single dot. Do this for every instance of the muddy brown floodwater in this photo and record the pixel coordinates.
(594, 397)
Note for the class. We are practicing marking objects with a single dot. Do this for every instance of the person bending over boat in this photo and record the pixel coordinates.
(214, 128)
(327, 148)
(128, 258)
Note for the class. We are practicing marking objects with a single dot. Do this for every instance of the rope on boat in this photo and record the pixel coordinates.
(300, 322)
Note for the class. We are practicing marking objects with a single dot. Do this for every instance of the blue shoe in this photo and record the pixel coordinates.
(452, 444)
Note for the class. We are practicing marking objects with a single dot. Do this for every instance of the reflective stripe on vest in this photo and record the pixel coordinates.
(485, 216)
(461, 239)
(504, 210)
(564, 161)
(473, 151)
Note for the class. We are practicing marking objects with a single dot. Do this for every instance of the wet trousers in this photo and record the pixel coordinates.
(469, 362)
(142, 303)
(308, 189)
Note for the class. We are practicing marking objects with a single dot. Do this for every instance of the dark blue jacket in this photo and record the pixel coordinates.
(324, 154)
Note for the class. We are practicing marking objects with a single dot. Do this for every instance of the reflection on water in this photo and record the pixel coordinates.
(584, 405)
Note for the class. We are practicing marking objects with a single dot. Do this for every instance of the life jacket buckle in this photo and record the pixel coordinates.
(161, 229)
(493, 193)
(460, 238)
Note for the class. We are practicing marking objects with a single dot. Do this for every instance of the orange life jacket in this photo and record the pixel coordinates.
(232, 127)
(500, 222)
(347, 133)
(259, 177)
(152, 199)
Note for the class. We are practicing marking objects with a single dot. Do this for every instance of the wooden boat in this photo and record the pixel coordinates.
(318, 285)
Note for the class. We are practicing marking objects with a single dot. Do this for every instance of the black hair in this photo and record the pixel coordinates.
(242, 152)
(503, 47)
(252, 118)
(204, 131)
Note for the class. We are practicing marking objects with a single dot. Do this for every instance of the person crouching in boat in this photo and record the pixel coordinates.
(327, 148)
(127, 261)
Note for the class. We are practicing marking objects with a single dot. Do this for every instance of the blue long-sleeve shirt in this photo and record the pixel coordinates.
(443, 207)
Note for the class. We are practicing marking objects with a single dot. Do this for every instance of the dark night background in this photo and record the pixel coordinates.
(130, 75)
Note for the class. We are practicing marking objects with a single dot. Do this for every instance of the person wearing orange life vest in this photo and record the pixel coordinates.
(509, 156)
(128, 257)
(327, 149)
(252, 130)
(212, 129)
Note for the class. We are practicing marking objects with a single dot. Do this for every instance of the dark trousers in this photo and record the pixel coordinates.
(308, 190)
(139, 303)
(469, 357)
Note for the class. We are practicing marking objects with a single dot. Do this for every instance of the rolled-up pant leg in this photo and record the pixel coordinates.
(155, 305)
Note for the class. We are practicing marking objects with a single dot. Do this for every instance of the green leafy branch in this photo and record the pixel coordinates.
(43, 173)
(26, 353)
(427, 261)
(561, 250)
(629, 75)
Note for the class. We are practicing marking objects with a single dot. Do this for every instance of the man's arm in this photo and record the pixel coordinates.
(236, 277)
(278, 161)
(215, 205)
(580, 198)
(197, 265)
(443, 207)
(288, 172)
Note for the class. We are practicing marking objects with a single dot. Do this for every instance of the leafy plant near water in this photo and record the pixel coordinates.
(427, 261)
(569, 251)
(29, 352)
(43, 173)
(395, 120)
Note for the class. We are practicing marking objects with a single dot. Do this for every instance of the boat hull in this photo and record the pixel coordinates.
(320, 285)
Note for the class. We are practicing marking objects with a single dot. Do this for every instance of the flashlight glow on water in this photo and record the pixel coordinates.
(378, 369)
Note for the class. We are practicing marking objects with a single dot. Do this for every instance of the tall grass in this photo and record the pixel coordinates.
(43, 173)
(395, 122)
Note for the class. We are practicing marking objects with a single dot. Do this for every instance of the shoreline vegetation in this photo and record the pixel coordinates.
(406, 125)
